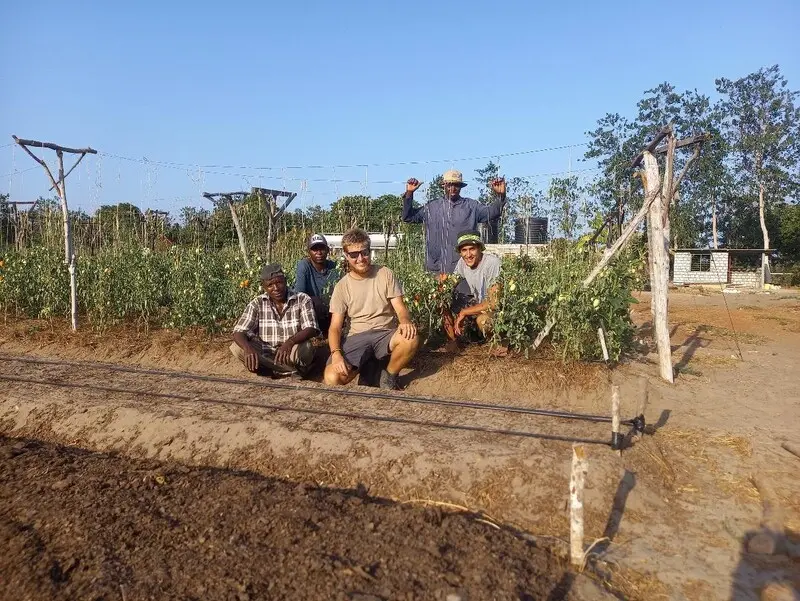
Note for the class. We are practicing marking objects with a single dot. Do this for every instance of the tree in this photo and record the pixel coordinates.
(564, 194)
(614, 142)
(762, 127)
(435, 188)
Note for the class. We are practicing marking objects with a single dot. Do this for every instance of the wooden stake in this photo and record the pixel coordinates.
(603, 343)
(616, 437)
(576, 484)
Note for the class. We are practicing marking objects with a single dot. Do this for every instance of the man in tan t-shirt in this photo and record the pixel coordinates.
(379, 323)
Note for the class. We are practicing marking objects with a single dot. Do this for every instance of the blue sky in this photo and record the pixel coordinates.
(249, 84)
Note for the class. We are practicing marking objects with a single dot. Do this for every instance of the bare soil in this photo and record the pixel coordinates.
(668, 517)
(83, 525)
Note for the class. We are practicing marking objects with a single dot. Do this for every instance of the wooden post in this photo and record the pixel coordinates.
(577, 481)
(69, 252)
(659, 276)
(61, 188)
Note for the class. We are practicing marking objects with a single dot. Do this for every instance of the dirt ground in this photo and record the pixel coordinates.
(82, 525)
(668, 517)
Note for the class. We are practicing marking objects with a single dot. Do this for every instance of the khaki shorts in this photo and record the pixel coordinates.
(300, 359)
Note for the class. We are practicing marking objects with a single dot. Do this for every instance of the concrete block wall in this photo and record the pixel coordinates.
(683, 274)
(516, 249)
(749, 279)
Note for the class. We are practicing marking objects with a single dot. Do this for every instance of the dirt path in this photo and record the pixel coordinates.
(676, 508)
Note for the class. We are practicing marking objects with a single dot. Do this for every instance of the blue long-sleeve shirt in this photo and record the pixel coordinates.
(443, 220)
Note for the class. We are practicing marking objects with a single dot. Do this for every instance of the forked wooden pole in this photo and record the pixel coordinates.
(60, 186)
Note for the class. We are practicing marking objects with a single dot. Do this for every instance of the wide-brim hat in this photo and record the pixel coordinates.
(453, 177)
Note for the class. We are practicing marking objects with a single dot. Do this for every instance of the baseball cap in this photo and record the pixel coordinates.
(270, 271)
(317, 239)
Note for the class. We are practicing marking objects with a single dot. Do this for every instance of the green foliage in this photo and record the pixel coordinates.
(538, 288)
(35, 283)
(186, 286)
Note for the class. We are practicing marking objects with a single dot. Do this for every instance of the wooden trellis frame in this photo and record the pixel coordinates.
(60, 187)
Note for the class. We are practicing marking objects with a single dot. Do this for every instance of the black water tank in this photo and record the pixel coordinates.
(530, 230)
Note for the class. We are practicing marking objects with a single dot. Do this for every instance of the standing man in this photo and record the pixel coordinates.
(316, 276)
(477, 293)
(276, 328)
(380, 325)
(444, 218)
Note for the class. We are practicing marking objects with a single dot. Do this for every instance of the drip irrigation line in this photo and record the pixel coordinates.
(317, 412)
(326, 389)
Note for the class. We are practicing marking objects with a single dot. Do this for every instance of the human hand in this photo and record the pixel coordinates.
(407, 330)
(499, 185)
(459, 320)
(340, 365)
(284, 353)
(251, 360)
(412, 185)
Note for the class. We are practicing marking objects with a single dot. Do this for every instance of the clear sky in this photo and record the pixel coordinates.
(269, 84)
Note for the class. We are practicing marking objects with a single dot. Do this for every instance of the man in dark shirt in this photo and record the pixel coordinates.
(316, 276)
(444, 218)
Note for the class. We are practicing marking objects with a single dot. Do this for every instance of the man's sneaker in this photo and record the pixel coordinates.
(389, 381)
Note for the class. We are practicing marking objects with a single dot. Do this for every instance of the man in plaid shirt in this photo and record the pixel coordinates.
(276, 328)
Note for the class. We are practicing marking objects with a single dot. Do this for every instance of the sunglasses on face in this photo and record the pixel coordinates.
(358, 253)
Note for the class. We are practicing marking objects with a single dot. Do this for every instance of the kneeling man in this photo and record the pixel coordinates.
(370, 299)
(276, 328)
(477, 293)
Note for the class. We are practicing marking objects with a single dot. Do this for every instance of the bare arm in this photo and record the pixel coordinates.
(335, 342)
(407, 328)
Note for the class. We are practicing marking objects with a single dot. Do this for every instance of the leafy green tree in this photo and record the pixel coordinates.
(435, 188)
(564, 195)
(761, 124)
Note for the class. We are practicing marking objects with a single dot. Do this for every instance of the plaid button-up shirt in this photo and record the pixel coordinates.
(261, 316)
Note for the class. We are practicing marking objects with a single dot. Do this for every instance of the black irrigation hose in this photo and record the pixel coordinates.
(313, 411)
(327, 389)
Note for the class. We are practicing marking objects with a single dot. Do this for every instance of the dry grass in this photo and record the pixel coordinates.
(633, 585)
(698, 590)
(545, 371)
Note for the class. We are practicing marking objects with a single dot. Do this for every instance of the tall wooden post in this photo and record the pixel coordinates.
(60, 187)
(659, 274)
(69, 251)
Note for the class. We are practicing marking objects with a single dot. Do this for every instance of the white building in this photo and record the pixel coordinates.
(719, 266)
